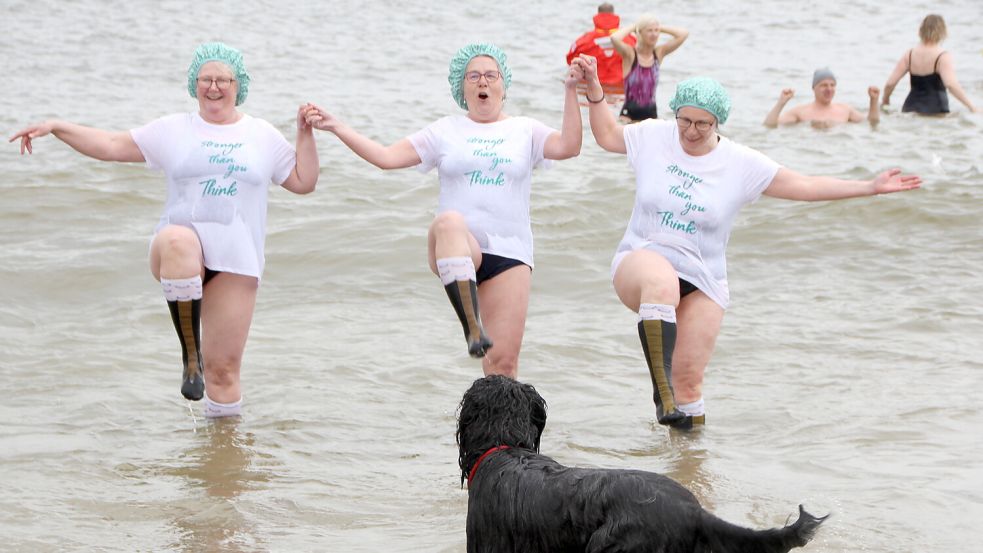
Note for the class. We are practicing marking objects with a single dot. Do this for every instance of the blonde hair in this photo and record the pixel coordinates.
(933, 29)
(644, 21)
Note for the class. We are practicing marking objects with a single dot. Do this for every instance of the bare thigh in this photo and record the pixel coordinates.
(176, 253)
(449, 236)
(226, 315)
(504, 303)
(646, 277)
(698, 320)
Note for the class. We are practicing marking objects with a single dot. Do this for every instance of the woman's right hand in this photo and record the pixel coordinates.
(28, 134)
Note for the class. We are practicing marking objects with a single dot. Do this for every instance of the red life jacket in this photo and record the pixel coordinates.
(598, 43)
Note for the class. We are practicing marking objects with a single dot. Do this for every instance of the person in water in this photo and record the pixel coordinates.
(207, 249)
(597, 43)
(932, 71)
(822, 111)
(640, 65)
(670, 267)
(480, 243)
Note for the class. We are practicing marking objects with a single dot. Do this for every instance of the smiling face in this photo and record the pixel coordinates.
(484, 98)
(824, 91)
(694, 141)
(217, 105)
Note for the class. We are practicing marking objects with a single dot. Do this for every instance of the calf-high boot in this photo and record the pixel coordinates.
(184, 301)
(658, 339)
(464, 297)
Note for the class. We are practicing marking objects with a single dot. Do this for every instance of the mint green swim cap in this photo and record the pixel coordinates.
(218, 51)
(704, 93)
(459, 63)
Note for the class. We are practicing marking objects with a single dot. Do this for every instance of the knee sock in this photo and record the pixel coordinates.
(457, 274)
(693, 408)
(184, 301)
(657, 332)
(214, 409)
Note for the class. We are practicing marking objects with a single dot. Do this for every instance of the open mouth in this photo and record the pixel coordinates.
(482, 95)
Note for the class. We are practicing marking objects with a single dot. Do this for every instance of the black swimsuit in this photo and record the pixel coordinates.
(927, 93)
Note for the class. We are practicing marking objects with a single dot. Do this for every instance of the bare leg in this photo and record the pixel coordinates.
(227, 313)
(699, 320)
(505, 298)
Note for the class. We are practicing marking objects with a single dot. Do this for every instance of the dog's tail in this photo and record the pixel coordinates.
(725, 537)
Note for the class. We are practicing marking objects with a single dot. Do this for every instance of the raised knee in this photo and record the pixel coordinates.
(179, 241)
(448, 221)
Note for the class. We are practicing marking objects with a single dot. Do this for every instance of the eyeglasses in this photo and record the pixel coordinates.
(475, 76)
(222, 83)
(684, 123)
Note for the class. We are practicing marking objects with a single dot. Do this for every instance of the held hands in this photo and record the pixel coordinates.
(893, 181)
(317, 118)
(302, 125)
(575, 74)
(28, 134)
(587, 67)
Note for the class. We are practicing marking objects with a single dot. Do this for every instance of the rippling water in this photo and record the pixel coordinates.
(847, 376)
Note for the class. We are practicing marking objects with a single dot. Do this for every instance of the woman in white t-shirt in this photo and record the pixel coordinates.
(480, 242)
(207, 249)
(670, 267)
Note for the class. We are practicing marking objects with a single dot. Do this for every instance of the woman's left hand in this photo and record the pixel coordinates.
(575, 74)
(302, 113)
(893, 181)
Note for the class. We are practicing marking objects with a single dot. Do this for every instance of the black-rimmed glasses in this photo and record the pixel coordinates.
(223, 83)
(684, 123)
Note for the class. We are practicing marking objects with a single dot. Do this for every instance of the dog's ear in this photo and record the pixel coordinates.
(537, 411)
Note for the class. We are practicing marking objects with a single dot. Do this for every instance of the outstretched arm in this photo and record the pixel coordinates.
(775, 116)
(303, 178)
(395, 156)
(607, 132)
(790, 185)
(947, 70)
(678, 35)
(899, 71)
(566, 143)
(95, 143)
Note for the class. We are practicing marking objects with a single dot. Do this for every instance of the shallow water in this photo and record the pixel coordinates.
(846, 377)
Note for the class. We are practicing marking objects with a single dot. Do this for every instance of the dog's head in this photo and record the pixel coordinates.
(496, 411)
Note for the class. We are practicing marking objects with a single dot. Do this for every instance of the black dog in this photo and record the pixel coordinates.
(521, 501)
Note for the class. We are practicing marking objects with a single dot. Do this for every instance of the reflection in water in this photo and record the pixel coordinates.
(688, 465)
(218, 463)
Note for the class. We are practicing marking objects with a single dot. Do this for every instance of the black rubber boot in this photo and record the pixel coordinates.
(689, 422)
(658, 340)
(464, 297)
(187, 321)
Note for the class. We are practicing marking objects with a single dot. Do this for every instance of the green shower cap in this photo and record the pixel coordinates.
(704, 93)
(217, 51)
(460, 62)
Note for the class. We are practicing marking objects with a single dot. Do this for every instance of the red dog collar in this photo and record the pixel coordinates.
(474, 469)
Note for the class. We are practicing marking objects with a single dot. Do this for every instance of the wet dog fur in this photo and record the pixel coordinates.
(522, 501)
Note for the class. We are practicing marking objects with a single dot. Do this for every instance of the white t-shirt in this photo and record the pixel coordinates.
(685, 205)
(218, 178)
(485, 172)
